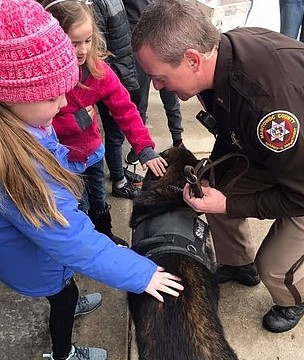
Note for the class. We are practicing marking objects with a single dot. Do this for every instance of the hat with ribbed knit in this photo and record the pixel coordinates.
(37, 60)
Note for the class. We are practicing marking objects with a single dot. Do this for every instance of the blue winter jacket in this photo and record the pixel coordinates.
(37, 262)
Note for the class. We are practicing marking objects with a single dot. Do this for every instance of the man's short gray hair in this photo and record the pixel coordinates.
(170, 27)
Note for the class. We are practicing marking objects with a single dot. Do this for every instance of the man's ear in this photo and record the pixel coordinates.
(193, 58)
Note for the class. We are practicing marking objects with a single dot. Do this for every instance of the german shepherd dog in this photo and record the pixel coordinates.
(187, 327)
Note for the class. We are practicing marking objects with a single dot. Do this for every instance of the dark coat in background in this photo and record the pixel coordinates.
(113, 22)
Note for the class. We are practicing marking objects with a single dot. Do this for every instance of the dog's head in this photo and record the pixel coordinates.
(162, 194)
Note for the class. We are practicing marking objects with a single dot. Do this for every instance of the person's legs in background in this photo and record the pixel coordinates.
(291, 14)
(99, 211)
(302, 29)
(122, 179)
(141, 101)
(172, 108)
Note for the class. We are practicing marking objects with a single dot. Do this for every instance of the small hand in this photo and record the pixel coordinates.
(165, 282)
(90, 110)
(212, 202)
(157, 165)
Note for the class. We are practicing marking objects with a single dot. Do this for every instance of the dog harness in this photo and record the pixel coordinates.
(176, 232)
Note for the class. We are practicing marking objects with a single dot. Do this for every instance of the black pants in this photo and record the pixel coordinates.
(61, 319)
(114, 138)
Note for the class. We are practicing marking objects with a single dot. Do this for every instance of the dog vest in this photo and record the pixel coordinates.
(175, 232)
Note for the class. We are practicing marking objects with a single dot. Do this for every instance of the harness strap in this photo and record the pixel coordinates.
(174, 244)
(195, 174)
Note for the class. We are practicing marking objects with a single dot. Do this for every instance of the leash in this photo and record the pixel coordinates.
(194, 175)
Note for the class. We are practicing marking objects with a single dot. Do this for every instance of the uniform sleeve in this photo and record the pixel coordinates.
(84, 250)
(124, 112)
(282, 191)
(262, 117)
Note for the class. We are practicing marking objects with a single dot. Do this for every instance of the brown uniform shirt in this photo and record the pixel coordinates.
(258, 102)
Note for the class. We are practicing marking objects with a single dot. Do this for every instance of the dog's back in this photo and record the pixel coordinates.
(187, 327)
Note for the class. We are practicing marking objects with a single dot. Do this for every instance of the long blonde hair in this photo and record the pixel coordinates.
(20, 158)
(70, 13)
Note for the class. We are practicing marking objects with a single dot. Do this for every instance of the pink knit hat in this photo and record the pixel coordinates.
(37, 60)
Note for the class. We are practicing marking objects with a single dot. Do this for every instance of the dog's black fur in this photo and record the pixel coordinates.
(187, 327)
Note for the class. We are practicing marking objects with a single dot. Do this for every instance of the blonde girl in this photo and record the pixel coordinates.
(44, 238)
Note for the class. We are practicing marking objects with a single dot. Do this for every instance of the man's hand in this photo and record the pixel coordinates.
(213, 201)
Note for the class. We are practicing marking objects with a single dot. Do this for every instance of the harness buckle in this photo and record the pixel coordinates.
(192, 179)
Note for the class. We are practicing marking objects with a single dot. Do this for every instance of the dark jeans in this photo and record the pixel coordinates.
(113, 139)
(292, 18)
(169, 100)
(61, 320)
(94, 195)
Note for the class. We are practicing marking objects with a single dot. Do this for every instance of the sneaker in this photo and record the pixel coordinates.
(83, 353)
(245, 275)
(282, 318)
(179, 143)
(87, 303)
(133, 178)
(128, 191)
(131, 158)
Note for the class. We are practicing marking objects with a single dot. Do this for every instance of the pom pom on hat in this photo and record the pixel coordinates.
(37, 60)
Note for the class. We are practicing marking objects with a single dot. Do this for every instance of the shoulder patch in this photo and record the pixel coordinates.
(278, 130)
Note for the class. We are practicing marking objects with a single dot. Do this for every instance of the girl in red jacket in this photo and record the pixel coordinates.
(77, 125)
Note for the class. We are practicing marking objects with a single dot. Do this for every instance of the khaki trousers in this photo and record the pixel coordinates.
(280, 258)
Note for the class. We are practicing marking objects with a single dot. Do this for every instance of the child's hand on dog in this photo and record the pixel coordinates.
(165, 282)
(156, 165)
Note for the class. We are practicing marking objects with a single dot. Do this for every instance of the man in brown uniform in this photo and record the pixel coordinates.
(251, 82)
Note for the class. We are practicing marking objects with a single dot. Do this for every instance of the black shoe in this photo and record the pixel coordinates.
(128, 191)
(103, 223)
(131, 158)
(282, 318)
(245, 275)
(133, 178)
(117, 240)
(179, 143)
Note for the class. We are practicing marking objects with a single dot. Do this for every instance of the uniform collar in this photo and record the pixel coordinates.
(222, 74)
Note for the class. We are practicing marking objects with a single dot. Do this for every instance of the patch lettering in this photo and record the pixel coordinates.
(278, 130)
(200, 228)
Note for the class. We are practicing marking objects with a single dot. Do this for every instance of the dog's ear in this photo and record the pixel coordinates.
(180, 157)
(164, 193)
(177, 159)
